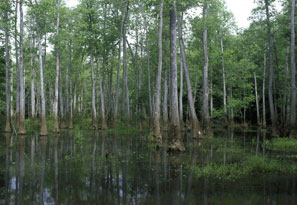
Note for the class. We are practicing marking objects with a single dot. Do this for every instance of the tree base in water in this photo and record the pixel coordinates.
(176, 146)
(43, 129)
(22, 130)
(158, 139)
(56, 126)
(7, 127)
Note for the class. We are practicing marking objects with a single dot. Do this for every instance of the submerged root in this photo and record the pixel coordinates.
(176, 146)
(175, 142)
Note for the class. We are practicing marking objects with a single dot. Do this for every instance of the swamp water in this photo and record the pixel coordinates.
(84, 167)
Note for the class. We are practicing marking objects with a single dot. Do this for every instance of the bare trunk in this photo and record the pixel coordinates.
(211, 93)
(43, 127)
(70, 89)
(181, 93)
(32, 58)
(17, 107)
(94, 112)
(263, 92)
(257, 101)
(165, 106)
(270, 92)
(67, 87)
(157, 94)
(284, 103)
(124, 18)
(7, 65)
(22, 129)
(118, 83)
(194, 119)
(125, 78)
(224, 79)
(175, 140)
(149, 75)
(61, 98)
(102, 98)
(293, 71)
(205, 98)
(11, 91)
(196, 84)
(56, 124)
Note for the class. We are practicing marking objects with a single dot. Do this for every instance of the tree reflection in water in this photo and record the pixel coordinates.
(77, 167)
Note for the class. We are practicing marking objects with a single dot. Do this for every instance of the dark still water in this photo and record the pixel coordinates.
(80, 167)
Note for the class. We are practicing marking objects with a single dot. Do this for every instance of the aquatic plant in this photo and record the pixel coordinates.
(282, 144)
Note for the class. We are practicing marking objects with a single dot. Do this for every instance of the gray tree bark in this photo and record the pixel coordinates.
(33, 74)
(7, 67)
(263, 92)
(149, 74)
(205, 98)
(196, 130)
(124, 19)
(293, 68)
(17, 98)
(181, 89)
(22, 129)
(165, 106)
(56, 123)
(43, 127)
(157, 95)
(224, 78)
(257, 101)
(94, 112)
(270, 91)
(175, 140)
(102, 98)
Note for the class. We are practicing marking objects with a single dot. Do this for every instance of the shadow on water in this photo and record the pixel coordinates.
(80, 167)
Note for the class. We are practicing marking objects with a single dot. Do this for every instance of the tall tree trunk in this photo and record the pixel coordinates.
(205, 107)
(196, 84)
(43, 126)
(33, 74)
(61, 98)
(270, 92)
(124, 18)
(70, 89)
(175, 140)
(22, 129)
(293, 69)
(285, 94)
(157, 94)
(263, 92)
(196, 131)
(11, 95)
(125, 78)
(165, 106)
(257, 101)
(102, 98)
(149, 75)
(67, 87)
(224, 78)
(181, 89)
(94, 112)
(56, 123)
(211, 92)
(17, 98)
(7, 67)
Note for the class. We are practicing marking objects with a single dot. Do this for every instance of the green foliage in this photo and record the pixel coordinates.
(79, 138)
(32, 126)
(250, 166)
(282, 144)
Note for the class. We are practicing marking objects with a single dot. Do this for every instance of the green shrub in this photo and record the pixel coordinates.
(282, 144)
